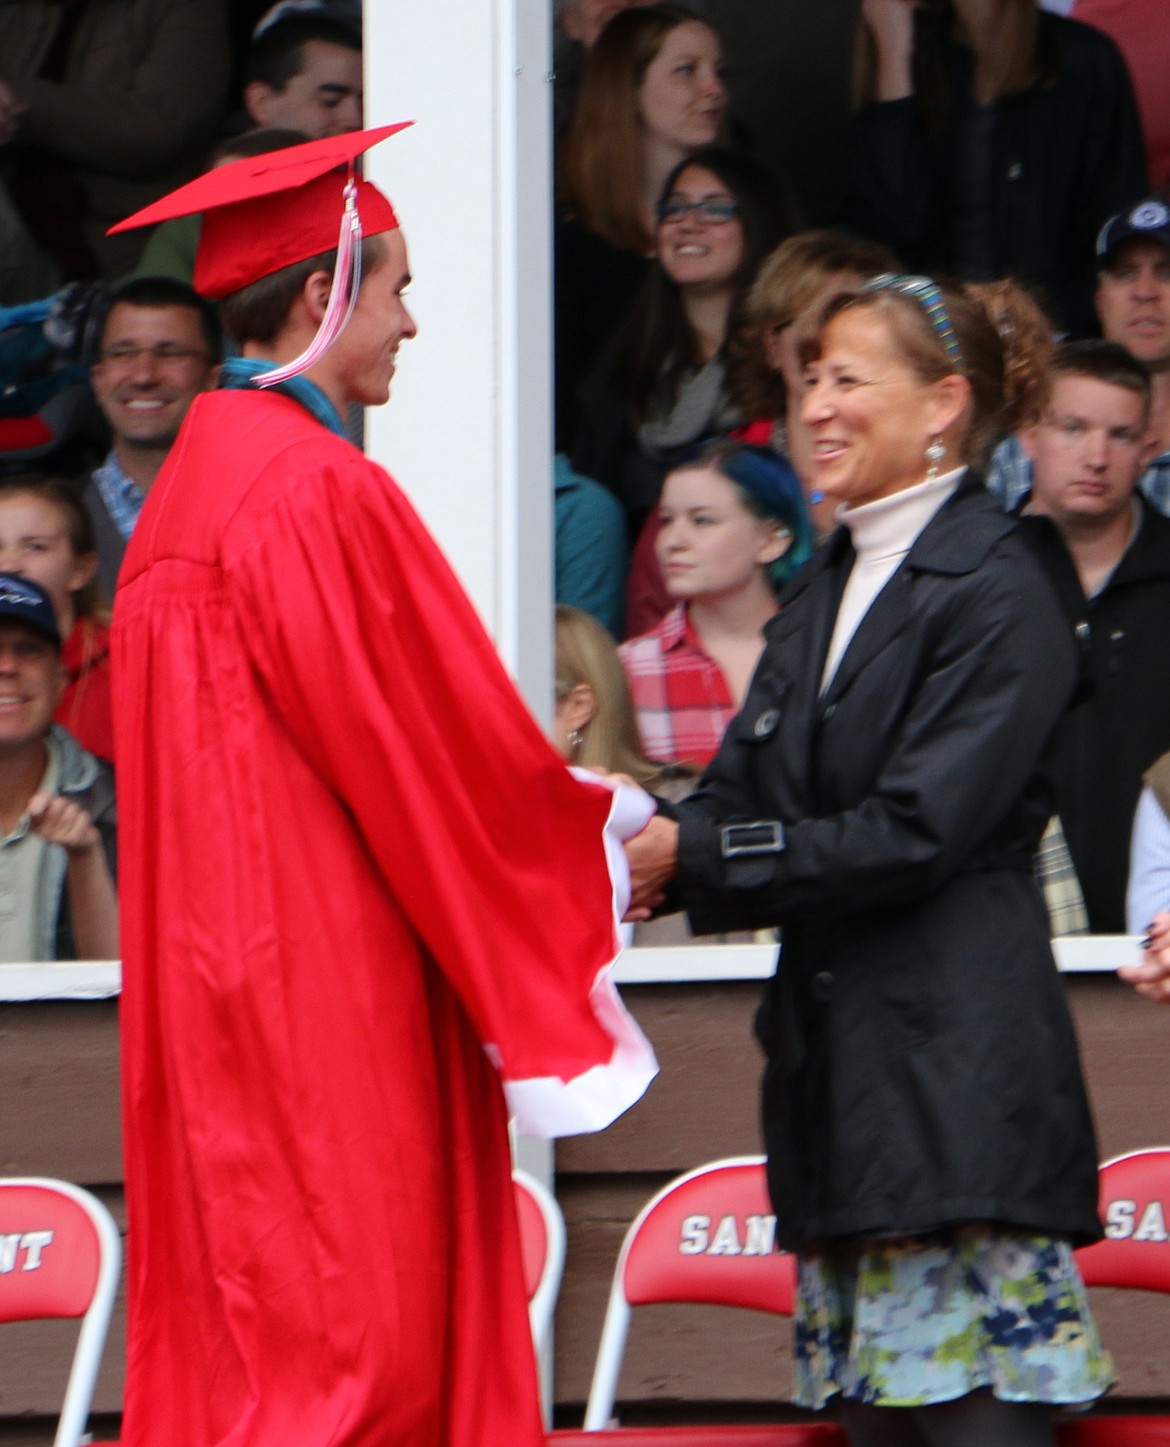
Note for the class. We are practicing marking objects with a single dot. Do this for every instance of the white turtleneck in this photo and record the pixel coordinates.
(882, 532)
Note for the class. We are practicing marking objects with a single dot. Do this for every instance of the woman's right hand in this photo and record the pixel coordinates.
(891, 25)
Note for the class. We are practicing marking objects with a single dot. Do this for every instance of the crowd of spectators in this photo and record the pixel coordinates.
(699, 228)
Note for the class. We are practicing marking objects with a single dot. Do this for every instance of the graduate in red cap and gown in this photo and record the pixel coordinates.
(363, 901)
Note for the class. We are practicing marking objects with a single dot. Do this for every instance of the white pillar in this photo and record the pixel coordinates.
(468, 430)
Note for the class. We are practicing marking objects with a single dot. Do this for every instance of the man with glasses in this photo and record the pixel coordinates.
(160, 347)
(1087, 453)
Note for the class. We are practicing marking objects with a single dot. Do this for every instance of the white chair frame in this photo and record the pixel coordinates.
(95, 1323)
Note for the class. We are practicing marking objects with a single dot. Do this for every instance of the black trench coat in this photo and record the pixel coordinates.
(922, 1066)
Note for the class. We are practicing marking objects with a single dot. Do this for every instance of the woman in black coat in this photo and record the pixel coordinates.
(880, 796)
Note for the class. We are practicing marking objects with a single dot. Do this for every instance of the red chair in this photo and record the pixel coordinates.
(1135, 1206)
(707, 1237)
(542, 1248)
(60, 1256)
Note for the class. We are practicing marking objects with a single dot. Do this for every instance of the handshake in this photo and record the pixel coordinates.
(651, 854)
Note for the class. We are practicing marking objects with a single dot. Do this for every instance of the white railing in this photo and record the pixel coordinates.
(678, 964)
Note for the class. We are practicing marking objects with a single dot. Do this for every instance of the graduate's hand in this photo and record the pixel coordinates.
(1152, 977)
(653, 859)
(63, 822)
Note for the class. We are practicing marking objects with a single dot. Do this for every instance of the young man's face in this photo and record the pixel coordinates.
(323, 99)
(1133, 300)
(30, 683)
(1087, 451)
(360, 365)
(152, 365)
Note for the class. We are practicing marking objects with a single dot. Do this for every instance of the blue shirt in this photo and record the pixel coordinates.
(590, 547)
(1149, 865)
(122, 496)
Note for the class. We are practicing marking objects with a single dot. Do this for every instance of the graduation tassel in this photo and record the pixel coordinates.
(347, 278)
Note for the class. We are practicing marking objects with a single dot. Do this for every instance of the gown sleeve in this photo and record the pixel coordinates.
(386, 681)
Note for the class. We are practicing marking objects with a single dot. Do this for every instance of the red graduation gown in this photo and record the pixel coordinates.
(349, 860)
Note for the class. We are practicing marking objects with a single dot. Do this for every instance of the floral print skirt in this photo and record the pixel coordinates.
(908, 1321)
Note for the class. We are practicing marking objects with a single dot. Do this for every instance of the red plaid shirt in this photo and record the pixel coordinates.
(681, 696)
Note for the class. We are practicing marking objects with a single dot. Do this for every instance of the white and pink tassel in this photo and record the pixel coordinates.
(347, 277)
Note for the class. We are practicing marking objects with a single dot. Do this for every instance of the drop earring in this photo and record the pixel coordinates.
(934, 456)
(575, 738)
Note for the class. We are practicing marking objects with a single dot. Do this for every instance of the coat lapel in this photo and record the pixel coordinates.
(886, 617)
(800, 632)
(955, 541)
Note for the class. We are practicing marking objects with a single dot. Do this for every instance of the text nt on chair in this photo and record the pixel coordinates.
(709, 1237)
(1135, 1207)
(542, 1247)
(60, 1256)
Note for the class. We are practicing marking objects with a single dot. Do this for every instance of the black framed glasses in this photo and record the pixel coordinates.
(711, 211)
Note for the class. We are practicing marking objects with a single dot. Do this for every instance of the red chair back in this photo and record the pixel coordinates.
(50, 1254)
(1135, 1207)
(710, 1237)
(533, 1237)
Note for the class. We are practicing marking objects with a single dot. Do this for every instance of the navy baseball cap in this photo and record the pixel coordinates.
(1147, 221)
(27, 602)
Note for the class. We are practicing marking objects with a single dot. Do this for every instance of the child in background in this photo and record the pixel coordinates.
(45, 535)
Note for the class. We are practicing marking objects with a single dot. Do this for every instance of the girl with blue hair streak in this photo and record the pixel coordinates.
(733, 528)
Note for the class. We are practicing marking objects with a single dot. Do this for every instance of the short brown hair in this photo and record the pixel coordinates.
(1102, 362)
(258, 312)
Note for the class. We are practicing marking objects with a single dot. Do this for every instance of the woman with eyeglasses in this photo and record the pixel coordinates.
(659, 393)
(651, 92)
(879, 798)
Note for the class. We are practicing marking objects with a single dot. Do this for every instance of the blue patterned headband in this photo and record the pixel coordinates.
(926, 293)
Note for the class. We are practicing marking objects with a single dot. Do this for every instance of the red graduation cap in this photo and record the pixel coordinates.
(266, 212)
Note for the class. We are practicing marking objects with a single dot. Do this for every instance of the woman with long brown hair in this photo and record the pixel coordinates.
(651, 92)
(659, 391)
(993, 139)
